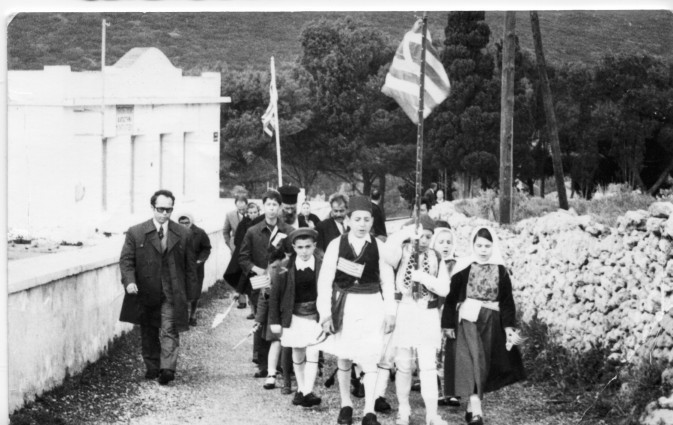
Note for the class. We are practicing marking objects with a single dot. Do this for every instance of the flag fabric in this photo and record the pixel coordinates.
(404, 77)
(269, 117)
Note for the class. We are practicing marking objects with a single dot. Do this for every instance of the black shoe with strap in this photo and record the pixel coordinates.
(345, 416)
(381, 405)
(370, 419)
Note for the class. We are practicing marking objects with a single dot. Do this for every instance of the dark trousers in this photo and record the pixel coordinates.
(286, 364)
(160, 344)
(260, 348)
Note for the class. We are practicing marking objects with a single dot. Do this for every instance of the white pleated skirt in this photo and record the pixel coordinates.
(417, 326)
(361, 336)
(301, 333)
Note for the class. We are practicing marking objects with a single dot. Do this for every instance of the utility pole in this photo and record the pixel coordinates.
(550, 115)
(507, 118)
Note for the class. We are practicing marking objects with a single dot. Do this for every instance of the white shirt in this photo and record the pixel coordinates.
(308, 264)
(328, 271)
(158, 226)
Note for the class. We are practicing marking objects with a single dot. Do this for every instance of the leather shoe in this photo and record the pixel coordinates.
(270, 383)
(468, 417)
(298, 398)
(192, 321)
(476, 420)
(345, 416)
(286, 390)
(381, 405)
(250, 316)
(241, 305)
(152, 374)
(261, 374)
(311, 400)
(370, 419)
(166, 376)
(448, 401)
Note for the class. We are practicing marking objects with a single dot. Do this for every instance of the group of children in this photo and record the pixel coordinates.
(395, 303)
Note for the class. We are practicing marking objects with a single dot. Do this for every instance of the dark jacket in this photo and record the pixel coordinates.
(281, 302)
(140, 263)
(458, 293)
(379, 226)
(303, 223)
(233, 273)
(327, 232)
(256, 249)
(202, 249)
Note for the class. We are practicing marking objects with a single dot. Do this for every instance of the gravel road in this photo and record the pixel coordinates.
(214, 385)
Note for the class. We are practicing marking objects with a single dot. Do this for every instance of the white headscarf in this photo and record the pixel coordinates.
(495, 258)
(188, 215)
(438, 231)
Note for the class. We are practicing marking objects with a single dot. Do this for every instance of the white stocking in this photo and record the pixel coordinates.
(299, 360)
(311, 370)
(428, 375)
(344, 375)
(404, 363)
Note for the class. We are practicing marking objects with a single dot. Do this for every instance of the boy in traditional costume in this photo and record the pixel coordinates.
(356, 305)
(417, 331)
(293, 313)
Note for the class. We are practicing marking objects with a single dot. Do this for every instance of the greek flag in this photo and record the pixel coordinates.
(269, 118)
(404, 77)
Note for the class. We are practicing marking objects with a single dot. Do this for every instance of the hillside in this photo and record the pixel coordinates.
(209, 41)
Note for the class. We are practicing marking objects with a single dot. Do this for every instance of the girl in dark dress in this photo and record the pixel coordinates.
(484, 326)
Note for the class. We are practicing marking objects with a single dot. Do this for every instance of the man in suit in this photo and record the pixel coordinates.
(202, 249)
(333, 227)
(232, 219)
(379, 227)
(158, 269)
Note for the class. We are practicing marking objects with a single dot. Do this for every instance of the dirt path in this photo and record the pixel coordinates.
(214, 385)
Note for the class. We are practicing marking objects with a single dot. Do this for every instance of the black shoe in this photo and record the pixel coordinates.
(311, 400)
(241, 306)
(416, 386)
(298, 398)
(345, 416)
(476, 420)
(286, 390)
(270, 383)
(250, 316)
(370, 419)
(261, 374)
(192, 321)
(468, 417)
(166, 376)
(152, 374)
(381, 405)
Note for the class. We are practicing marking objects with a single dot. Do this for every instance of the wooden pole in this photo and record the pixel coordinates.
(552, 129)
(419, 148)
(507, 118)
(278, 161)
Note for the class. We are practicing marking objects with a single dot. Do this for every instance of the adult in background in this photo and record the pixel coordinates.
(431, 194)
(334, 226)
(158, 272)
(379, 227)
(356, 305)
(234, 275)
(202, 252)
(231, 222)
(307, 218)
(289, 194)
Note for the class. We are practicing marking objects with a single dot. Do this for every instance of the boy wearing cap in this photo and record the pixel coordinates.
(356, 305)
(293, 313)
(417, 332)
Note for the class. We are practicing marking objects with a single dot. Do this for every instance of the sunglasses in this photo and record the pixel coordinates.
(163, 210)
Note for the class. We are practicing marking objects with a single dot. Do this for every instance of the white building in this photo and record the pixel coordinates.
(88, 149)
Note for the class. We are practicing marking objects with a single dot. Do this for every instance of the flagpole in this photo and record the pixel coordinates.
(419, 147)
(273, 84)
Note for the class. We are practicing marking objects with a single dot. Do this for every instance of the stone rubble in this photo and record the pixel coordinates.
(591, 284)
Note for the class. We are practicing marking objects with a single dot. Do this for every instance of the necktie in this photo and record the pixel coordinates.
(162, 239)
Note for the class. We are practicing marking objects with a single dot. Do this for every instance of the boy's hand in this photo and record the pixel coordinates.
(328, 326)
(449, 333)
(276, 329)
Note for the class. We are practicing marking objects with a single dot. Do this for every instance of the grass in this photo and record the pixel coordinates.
(588, 381)
(199, 42)
(605, 209)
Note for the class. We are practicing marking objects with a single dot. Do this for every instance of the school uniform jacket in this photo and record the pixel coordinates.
(282, 291)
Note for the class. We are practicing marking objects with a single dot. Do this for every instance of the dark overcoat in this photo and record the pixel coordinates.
(202, 250)
(141, 262)
(327, 232)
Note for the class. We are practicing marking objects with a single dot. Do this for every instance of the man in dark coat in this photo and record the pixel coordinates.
(430, 194)
(334, 226)
(379, 227)
(202, 252)
(158, 270)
